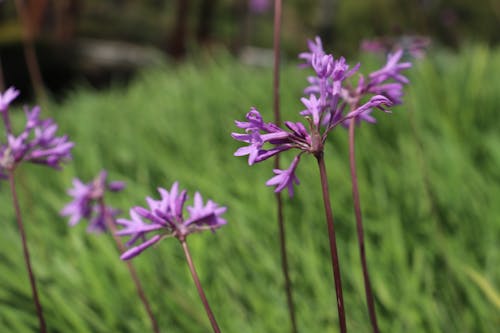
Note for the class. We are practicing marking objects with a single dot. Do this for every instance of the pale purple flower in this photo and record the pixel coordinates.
(7, 97)
(285, 178)
(166, 218)
(37, 143)
(315, 48)
(259, 6)
(88, 202)
(337, 95)
(391, 70)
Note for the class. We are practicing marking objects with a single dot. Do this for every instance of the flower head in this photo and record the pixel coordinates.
(88, 202)
(37, 143)
(167, 218)
(329, 96)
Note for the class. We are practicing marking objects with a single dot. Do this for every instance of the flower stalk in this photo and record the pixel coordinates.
(359, 227)
(333, 243)
(27, 260)
(197, 282)
(279, 200)
(110, 224)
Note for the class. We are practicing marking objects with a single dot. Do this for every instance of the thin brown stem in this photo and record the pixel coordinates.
(333, 242)
(279, 201)
(359, 226)
(27, 260)
(133, 273)
(196, 280)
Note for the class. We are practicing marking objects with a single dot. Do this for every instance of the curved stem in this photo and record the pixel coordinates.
(359, 226)
(133, 273)
(333, 242)
(196, 280)
(27, 260)
(279, 201)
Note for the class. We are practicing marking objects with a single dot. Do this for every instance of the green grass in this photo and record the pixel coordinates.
(428, 174)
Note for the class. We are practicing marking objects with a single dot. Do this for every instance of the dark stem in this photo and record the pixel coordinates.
(279, 201)
(359, 226)
(34, 291)
(133, 273)
(204, 300)
(333, 242)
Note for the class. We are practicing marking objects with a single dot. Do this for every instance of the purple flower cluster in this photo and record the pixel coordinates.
(166, 217)
(88, 202)
(259, 6)
(331, 101)
(37, 143)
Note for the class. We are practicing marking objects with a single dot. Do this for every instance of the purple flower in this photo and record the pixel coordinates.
(391, 70)
(88, 202)
(285, 178)
(315, 48)
(7, 97)
(330, 95)
(37, 143)
(259, 6)
(167, 219)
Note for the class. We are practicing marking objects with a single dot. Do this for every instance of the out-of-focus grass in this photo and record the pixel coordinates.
(429, 179)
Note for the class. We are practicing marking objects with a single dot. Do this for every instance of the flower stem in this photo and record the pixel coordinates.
(204, 300)
(333, 242)
(34, 291)
(133, 273)
(359, 226)
(279, 201)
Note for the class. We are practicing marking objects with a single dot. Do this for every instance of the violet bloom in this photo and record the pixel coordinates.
(166, 218)
(37, 143)
(259, 6)
(88, 202)
(387, 81)
(325, 108)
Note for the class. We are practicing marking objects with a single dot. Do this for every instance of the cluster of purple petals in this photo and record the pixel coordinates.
(88, 202)
(37, 143)
(331, 100)
(166, 218)
(259, 6)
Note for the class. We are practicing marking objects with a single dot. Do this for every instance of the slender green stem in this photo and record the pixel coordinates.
(279, 201)
(133, 273)
(359, 226)
(34, 291)
(333, 242)
(196, 280)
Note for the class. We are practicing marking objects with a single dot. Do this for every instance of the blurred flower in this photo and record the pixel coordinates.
(37, 143)
(88, 202)
(410, 44)
(166, 217)
(259, 6)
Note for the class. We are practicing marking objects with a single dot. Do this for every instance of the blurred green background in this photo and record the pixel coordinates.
(429, 175)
